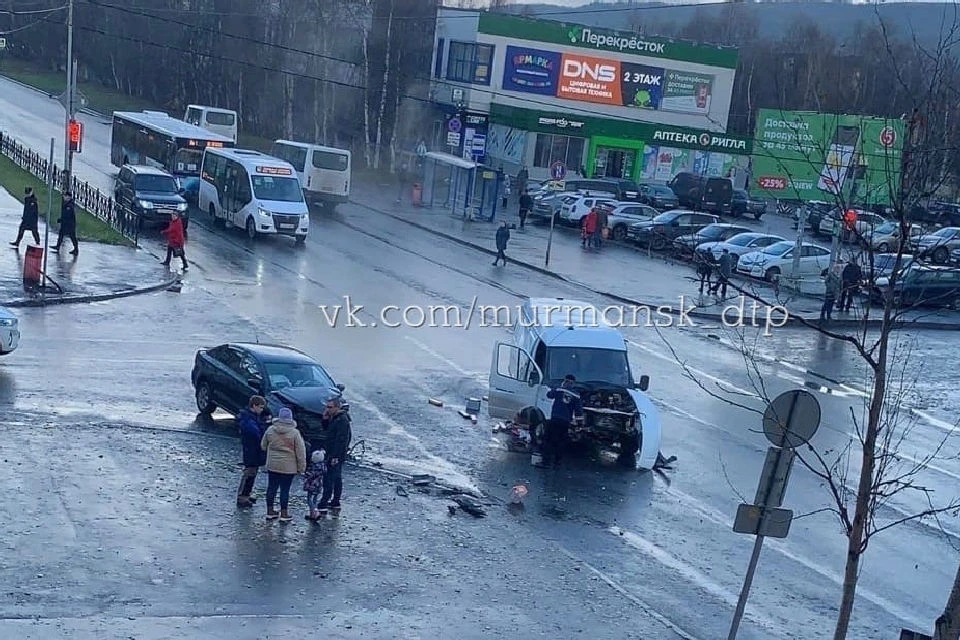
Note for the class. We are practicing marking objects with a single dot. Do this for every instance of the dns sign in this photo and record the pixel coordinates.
(75, 135)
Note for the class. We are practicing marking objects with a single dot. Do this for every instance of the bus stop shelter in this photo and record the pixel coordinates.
(464, 187)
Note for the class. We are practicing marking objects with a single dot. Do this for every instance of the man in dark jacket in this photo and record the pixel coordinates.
(252, 424)
(503, 236)
(68, 223)
(31, 218)
(567, 408)
(725, 269)
(526, 206)
(337, 423)
(850, 279)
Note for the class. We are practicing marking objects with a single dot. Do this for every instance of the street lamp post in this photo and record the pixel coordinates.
(69, 102)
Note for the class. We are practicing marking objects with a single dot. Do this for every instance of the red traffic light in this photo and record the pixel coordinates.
(75, 135)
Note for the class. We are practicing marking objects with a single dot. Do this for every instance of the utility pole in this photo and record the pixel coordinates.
(69, 102)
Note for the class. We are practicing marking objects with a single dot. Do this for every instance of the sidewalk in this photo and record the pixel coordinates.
(99, 272)
(620, 271)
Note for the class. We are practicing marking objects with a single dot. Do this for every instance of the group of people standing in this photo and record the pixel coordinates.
(707, 267)
(842, 281)
(30, 221)
(595, 228)
(279, 445)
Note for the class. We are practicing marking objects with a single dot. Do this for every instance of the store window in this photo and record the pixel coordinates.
(469, 62)
(551, 148)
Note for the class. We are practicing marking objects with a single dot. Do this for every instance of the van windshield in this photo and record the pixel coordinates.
(588, 365)
(277, 189)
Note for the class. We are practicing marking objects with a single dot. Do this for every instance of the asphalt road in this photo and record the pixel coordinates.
(653, 543)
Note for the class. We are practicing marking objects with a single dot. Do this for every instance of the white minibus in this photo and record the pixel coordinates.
(213, 119)
(253, 191)
(324, 172)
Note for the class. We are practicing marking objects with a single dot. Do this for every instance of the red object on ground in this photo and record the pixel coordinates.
(174, 233)
(32, 268)
(417, 195)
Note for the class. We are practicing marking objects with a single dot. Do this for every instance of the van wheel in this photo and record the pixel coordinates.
(300, 241)
(620, 232)
(251, 228)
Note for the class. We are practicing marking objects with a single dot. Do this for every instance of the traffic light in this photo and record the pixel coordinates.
(75, 135)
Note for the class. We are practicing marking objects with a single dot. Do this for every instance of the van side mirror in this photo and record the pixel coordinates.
(533, 379)
(644, 383)
(340, 387)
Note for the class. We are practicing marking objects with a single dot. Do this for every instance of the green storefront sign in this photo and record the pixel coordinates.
(803, 155)
(598, 39)
(648, 132)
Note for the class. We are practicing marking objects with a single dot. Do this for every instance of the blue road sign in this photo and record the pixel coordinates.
(454, 126)
(558, 170)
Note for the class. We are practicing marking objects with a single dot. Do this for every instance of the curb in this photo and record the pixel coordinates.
(89, 112)
(100, 297)
(792, 320)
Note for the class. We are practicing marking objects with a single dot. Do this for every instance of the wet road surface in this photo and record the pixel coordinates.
(654, 543)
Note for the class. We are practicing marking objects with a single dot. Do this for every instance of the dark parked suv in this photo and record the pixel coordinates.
(666, 227)
(152, 194)
(695, 191)
(743, 205)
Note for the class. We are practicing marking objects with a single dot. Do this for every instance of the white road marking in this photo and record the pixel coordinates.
(450, 363)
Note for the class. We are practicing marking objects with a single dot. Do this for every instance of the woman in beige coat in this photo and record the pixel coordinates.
(286, 457)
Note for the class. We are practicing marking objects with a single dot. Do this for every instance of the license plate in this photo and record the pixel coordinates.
(288, 226)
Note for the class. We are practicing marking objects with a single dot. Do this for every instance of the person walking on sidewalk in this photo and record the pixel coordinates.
(850, 281)
(522, 176)
(30, 219)
(68, 224)
(603, 220)
(175, 241)
(526, 205)
(337, 422)
(725, 268)
(503, 237)
(286, 458)
(589, 228)
(252, 426)
(704, 260)
(833, 284)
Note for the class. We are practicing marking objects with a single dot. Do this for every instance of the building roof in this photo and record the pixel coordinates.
(168, 125)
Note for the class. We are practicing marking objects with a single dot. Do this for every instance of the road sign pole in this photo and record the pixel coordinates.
(553, 219)
(745, 591)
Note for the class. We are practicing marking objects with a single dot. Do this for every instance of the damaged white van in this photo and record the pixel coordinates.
(553, 337)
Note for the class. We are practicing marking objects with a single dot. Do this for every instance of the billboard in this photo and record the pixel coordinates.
(803, 155)
(605, 80)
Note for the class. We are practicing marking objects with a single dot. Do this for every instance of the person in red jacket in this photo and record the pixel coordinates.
(175, 240)
(589, 228)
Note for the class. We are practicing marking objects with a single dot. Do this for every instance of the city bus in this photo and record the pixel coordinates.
(214, 119)
(250, 190)
(155, 139)
(324, 172)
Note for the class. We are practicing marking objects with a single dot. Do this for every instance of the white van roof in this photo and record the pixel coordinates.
(573, 323)
(254, 161)
(309, 145)
(208, 108)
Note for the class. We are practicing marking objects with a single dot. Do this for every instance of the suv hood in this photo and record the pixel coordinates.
(310, 398)
(160, 197)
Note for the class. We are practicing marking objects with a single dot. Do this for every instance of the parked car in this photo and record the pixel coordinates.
(937, 246)
(548, 206)
(658, 196)
(716, 232)
(226, 376)
(920, 285)
(623, 214)
(151, 193)
(717, 196)
(886, 237)
(573, 211)
(624, 190)
(593, 187)
(866, 222)
(660, 231)
(777, 260)
(688, 187)
(9, 331)
(815, 210)
(742, 204)
(884, 263)
(738, 245)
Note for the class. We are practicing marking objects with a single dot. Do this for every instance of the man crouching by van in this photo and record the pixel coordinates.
(567, 409)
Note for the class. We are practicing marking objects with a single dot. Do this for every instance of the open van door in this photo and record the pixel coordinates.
(514, 380)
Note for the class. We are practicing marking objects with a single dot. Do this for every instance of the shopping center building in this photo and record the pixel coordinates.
(512, 91)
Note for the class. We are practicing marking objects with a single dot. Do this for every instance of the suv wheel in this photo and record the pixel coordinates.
(619, 232)
(204, 403)
(772, 274)
(941, 255)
